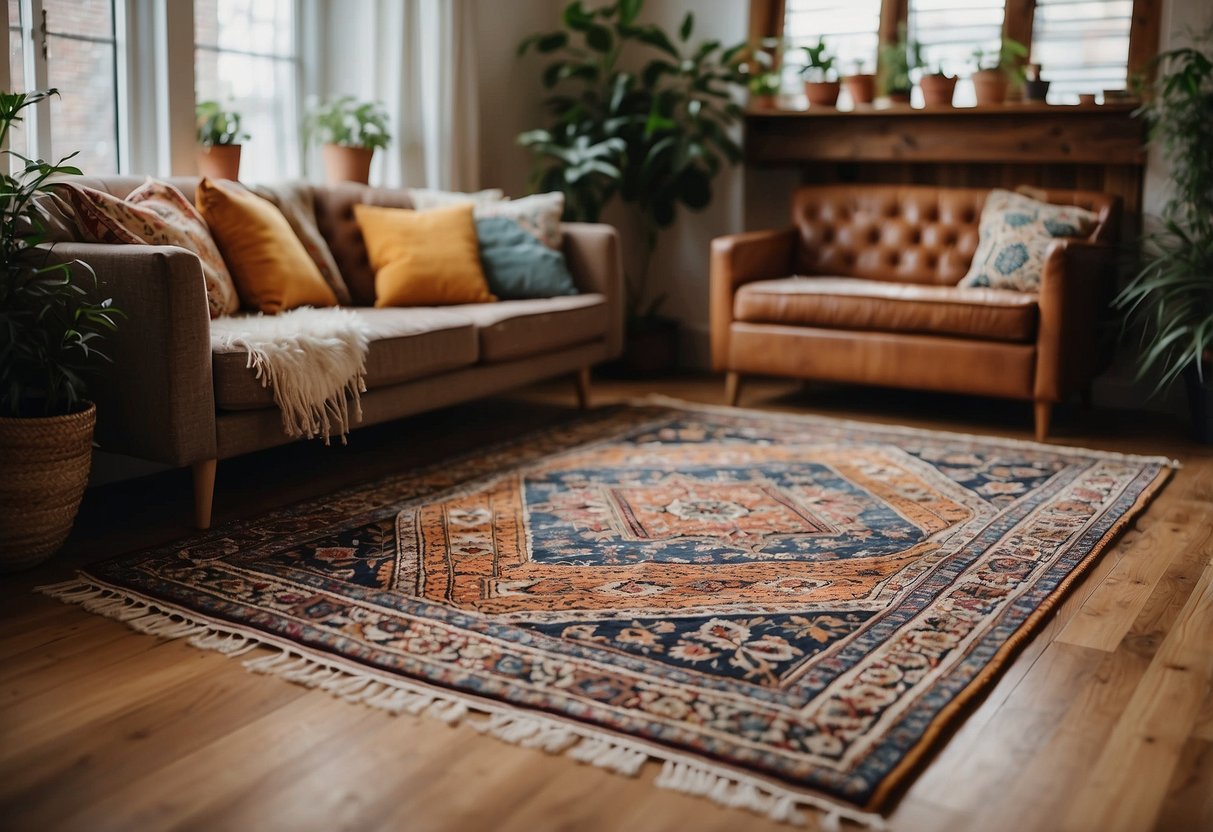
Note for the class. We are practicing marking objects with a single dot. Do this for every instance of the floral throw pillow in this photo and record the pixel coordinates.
(538, 215)
(1014, 235)
(155, 214)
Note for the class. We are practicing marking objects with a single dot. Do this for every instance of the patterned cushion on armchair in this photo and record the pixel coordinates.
(1015, 234)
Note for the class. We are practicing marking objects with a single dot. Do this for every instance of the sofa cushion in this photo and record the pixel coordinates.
(336, 221)
(405, 344)
(877, 305)
(511, 329)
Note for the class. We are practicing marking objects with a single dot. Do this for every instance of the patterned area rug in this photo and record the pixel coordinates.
(783, 610)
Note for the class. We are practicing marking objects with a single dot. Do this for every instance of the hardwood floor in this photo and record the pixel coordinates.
(1105, 721)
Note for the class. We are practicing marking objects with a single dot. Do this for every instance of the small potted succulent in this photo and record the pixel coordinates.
(52, 330)
(348, 131)
(995, 70)
(861, 86)
(897, 61)
(764, 90)
(219, 136)
(821, 85)
(937, 87)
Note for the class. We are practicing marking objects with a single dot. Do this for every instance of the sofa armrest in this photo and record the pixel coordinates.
(155, 398)
(736, 260)
(593, 255)
(1075, 289)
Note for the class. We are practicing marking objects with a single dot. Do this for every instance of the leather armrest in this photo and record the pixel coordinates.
(739, 259)
(1075, 289)
(155, 397)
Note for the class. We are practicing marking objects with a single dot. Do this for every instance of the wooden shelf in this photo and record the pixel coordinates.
(1022, 133)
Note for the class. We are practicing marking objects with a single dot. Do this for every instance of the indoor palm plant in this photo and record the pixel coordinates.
(219, 135)
(49, 333)
(653, 137)
(349, 132)
(821, 85)
(897, 61)
(996, 69)
(1170, 301)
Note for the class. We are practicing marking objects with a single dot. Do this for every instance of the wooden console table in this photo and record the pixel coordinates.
(1098, 148)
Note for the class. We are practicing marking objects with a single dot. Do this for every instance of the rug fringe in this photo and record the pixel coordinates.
(356, 684)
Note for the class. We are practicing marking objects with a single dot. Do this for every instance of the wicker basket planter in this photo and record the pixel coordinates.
(44, 465)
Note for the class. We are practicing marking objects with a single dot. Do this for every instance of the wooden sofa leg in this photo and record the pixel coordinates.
(1044, 410)
(583, 388)
(204, 491)
(732, 388)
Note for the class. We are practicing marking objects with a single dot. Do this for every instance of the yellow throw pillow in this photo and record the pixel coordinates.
(423, 258)
(270, 267)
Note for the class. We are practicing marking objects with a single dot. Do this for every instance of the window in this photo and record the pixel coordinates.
(74, 49)
(1081, 45)
(847, 26)
(949, 31)
(246, 58)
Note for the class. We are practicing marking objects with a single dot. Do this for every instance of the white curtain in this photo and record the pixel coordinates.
(417, 57)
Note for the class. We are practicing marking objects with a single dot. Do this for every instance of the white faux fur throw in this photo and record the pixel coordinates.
(313, 360)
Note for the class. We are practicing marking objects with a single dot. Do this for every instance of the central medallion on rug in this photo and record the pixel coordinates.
(777, 607)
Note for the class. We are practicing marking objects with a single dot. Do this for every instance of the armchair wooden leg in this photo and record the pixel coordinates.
(204, 491)
(732, 388)
(583, 388)
(1044, 410)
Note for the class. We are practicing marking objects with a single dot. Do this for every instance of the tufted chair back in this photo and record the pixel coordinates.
(907, 233)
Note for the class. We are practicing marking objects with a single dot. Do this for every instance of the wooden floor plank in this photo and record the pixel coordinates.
(102, 728)
(1143, 749)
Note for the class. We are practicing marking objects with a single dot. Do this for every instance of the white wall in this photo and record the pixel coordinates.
(510, 93)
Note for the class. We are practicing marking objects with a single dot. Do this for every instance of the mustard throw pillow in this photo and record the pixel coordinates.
(270, 267)
(423, 258)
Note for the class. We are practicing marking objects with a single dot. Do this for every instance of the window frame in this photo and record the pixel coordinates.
(767, 16)
(35, 35)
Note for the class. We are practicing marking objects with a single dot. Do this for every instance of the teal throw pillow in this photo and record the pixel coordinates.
(517, 265)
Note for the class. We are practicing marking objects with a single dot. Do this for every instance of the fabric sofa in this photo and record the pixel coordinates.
(168, 397)
(862, 288)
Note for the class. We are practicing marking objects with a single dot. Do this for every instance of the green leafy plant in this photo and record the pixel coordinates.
(1170, 301)
(653, 137)
(766, 83)
(49, 330)
(897, 61)
(818, 62)
(1008, 57)
(217, 126)
(348, 122)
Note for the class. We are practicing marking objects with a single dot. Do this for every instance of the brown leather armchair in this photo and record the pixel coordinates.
(862, 288)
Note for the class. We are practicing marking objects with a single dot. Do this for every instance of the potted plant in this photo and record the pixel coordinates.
(652, 140)
(1170, 301)
(764, 90)
(50, 335)
(861, 86)
(937, 86)
(821, 85)
(349, 131)
(219, 136)
(897, 61)
(995, 69)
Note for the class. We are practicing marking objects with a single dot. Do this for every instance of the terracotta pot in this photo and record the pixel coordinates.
(822, 93)
(862, 88)
(763, 102)
(219, 161)
(937, 90)
(990, 86)
(347, 164)
(901, 97)
(44, 464)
